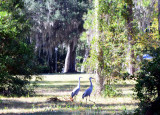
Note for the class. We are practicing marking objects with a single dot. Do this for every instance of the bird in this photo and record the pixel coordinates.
(88, 91)
(76, 90)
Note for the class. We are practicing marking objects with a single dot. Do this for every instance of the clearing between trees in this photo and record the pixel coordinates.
(53, 97)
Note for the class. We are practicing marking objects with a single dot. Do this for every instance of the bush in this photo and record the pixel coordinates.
(111, 91)
(16, 67)
(14, 86)
(148, 85)
(16, 54)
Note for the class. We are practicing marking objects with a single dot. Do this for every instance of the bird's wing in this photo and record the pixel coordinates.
(75, 91)
(87, 92)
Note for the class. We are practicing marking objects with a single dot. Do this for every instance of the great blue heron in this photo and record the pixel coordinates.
(88, 91)
(76, 90)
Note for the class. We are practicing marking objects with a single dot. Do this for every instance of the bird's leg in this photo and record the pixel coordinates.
(75, 98)
(91, 100)
(86, 99)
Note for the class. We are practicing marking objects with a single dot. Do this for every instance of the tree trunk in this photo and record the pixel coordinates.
(51, 65)
(85, 59)
(99, 82)
(100, 64)
(99, 72)
(99, 75)
(130, 37)
(70, 60)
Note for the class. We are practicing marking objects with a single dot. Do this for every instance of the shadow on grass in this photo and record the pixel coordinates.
(55, 82)
(69, 74)
(68, 86)
(9, 104)
(87, 112)
(125, 85)
(58, 86)
(61, 108)
(50, 89)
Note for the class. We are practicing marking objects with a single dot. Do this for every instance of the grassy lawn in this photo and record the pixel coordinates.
(60, 86)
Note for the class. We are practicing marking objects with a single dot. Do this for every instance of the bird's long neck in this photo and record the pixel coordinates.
(91, 83)
(79, 83)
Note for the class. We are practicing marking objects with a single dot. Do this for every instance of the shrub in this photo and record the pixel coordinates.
(111, 91)
(16, 54)
(148, 85)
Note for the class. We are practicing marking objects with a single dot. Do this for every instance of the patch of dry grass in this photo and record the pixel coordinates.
(61, 85)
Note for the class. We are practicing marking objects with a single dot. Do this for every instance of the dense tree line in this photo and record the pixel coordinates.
(55, 24)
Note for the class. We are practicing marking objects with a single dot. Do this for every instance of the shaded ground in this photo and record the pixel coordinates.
(61, 86)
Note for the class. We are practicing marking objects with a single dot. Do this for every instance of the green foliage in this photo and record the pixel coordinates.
(112, 38)
(107, 35)
(55, 23)
(61, 19)
(126, 112)
(16, 55)
(125, 75)
(111, 91)
(148, 85)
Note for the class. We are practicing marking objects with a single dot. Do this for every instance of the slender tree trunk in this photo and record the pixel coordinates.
(51, 65)
(99, 73)
(130, 37)
(100, 64)
(85, 59)
(99, 83)
(70, 59)
(56, 59)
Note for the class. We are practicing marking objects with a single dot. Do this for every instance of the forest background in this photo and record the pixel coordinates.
(108, 38)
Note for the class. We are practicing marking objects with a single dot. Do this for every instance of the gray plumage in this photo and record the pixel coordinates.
(76, 90)
(89, 90)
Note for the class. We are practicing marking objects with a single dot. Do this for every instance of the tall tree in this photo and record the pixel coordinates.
(107, 41)
(131, 42)
(100, 64)
(59, 22)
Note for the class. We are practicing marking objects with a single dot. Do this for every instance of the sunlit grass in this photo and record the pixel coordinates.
(61, 85)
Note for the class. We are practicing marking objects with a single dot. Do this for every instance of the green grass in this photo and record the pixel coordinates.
(61, 85)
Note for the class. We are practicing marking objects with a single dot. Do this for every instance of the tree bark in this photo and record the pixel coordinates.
(70, 60)
(100, 65)
(99, 73)
(85, 59)
(130, 37)
(99, 82)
